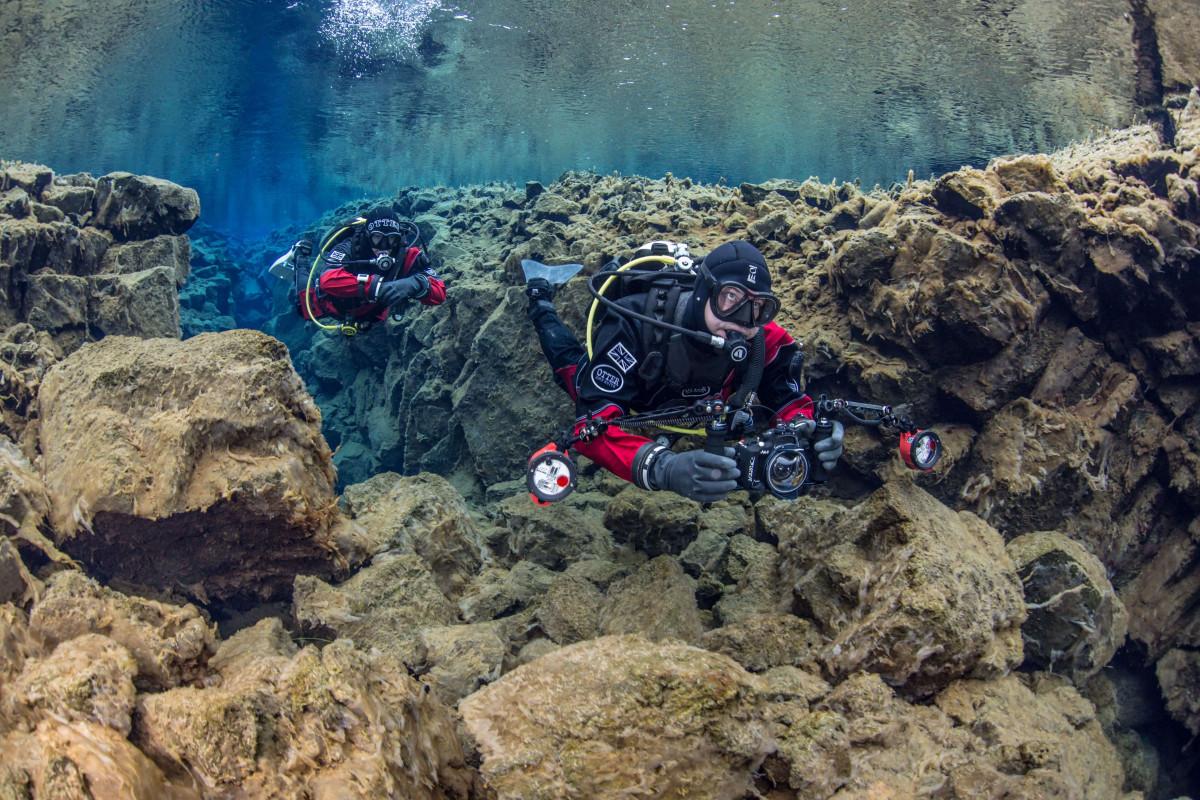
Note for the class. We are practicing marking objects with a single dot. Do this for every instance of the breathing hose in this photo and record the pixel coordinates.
(596, 301)
(308, 286)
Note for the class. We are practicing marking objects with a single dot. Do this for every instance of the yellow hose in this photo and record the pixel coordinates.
(344, 328)
(596, 301)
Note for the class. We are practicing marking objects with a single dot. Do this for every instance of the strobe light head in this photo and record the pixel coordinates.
(550, 476)
(921, 450)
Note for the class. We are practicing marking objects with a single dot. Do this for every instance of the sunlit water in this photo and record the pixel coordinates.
(276, 110)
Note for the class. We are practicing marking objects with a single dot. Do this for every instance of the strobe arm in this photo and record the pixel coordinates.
(871, 415)
(919, 449)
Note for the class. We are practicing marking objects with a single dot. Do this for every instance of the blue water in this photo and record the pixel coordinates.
(281, 109)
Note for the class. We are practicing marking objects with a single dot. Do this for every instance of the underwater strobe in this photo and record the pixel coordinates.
(551, 475)
(921, 450)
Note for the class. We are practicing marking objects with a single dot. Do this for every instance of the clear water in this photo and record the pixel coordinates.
(276, 110)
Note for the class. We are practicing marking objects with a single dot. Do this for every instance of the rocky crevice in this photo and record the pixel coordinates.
(1148, 72)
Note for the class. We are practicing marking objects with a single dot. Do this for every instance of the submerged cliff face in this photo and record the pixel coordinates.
(949, 635)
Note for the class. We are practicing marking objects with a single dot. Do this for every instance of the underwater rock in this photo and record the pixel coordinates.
(143, 304)
(1172, 20)
(148, 445)
(458, 659)
(15, 203)
(1179, 675)
(1041, 730)
(765, 641)
(16, 584)
(170, 644)
(33, 178)
(85, 679)
(26, 355)
(611, 716)
(981, 739)
(658, 601)
(27, 246)
(1028, 468)
(498, 592)
(554, 538)
(569, 611)
(906, 588)
(751, 578)
(968, 193)
(72, 200)
(83, 760)
(322, 723)
(1075, 620)
(384, 605)
(705, 555)
(655, 523)
(56, 303)
(174, 252)
(1162, 598)
(421, 514)
(141, 207)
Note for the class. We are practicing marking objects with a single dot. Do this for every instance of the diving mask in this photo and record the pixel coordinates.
(732, 302)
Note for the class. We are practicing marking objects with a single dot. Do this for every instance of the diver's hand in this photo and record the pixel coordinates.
(392, 292)
(695, 474)
(829, 449)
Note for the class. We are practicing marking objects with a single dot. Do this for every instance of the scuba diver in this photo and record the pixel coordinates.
(682, 336)
(377, 263)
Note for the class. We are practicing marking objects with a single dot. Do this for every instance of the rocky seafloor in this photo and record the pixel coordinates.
(201, 598)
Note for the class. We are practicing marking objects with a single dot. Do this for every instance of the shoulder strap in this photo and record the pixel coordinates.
(661, 297)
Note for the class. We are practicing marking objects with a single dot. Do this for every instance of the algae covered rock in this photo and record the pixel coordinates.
(906, 588)
(1076, 621)
(554, 537)
(140, 207)
(322, 723)
(1179, 675)
(83, 760)
(569, 611)
(421, 514)
(762, 642)
(617, 715)
(658, 601)
(384, 606)
(1041, 732)
(88, 678)
(653, 522)
(197, 464)
(170, 644)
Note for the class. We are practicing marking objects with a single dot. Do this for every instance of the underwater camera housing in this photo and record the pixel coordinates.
(778, 462)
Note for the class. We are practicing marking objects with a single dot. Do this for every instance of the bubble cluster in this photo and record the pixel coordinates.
(365, 32)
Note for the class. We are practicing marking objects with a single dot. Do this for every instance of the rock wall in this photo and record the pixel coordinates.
(889, 636)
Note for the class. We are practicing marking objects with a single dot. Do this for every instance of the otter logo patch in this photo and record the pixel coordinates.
(606, 379)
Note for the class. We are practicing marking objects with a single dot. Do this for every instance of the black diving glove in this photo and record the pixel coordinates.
(829, 449)
(695, 474)
(392, 292)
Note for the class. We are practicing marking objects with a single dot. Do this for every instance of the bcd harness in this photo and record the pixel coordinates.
(663, 334)
(414, 252)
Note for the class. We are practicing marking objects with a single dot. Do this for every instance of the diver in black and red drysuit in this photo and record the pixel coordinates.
(731, 298)
(371, 272)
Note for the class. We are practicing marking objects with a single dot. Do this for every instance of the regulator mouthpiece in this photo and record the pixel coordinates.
(737, 348)
(920, 450)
